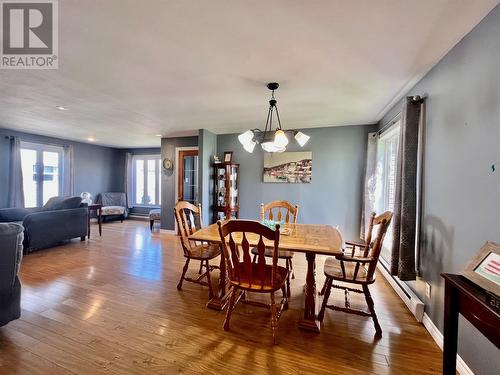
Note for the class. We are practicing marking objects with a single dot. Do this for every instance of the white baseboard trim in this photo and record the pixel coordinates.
(414, 304)
(168, 231)
(462, 367)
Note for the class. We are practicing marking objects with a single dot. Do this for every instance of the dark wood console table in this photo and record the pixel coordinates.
(464, 297)
(98, 209)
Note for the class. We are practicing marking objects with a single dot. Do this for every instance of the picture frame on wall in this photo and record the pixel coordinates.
(288, 167)
(484, 268)
(228, 156)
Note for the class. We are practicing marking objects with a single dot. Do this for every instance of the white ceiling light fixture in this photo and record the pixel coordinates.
(61, 108)
(301, 138)
(271, 141)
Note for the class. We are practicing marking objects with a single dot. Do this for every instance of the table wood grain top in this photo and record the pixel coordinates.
(304, 238)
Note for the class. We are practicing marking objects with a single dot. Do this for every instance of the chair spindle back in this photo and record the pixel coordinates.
(374, 248)
(239, 263)
(188, 218)
(276, 209)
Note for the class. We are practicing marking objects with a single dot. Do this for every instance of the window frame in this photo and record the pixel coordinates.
(145, 158)
(390, 135)
(40, 148)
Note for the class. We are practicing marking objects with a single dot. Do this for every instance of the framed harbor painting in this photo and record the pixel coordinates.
(288, 167)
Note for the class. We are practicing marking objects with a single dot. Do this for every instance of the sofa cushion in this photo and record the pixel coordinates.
(113, 210)
(62, 203)
(11, 240)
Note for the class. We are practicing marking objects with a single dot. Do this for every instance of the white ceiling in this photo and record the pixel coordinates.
(131, 69)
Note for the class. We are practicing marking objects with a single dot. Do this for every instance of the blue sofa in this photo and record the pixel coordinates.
(11, 253)
(60, 219)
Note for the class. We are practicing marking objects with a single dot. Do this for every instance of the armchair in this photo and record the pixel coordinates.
(113, 205)
(356, 268)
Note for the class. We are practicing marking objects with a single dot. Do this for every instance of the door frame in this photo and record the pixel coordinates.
(39, 149)
(176, 174)
(176, 170)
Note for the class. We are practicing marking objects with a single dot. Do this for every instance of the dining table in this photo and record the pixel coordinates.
(310, 239)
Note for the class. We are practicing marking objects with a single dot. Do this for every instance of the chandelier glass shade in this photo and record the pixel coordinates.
(269, 140)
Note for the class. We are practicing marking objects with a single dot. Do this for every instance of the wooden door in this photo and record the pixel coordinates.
(187, 184)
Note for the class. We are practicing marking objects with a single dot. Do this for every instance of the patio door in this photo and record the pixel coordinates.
(41, 168)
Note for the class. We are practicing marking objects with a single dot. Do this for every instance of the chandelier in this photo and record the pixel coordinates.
(269, 140)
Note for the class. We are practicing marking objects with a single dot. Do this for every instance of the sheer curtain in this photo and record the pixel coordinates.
(68, 188)
(16, 193)
(369, 183)
(128, 178)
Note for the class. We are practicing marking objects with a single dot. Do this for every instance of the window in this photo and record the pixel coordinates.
(41, 168)
(146, 180)
(385, 189)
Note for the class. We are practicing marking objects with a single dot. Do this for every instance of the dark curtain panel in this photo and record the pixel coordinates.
(405, 205)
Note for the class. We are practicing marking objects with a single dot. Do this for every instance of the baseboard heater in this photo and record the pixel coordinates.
(410, 299)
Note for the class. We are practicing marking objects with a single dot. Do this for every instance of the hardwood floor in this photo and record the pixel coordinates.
(110, 306)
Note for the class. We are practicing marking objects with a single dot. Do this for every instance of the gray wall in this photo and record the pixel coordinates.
(97, 168)
(207, 148)
(168, 181)
(461, 203)
(334, 195)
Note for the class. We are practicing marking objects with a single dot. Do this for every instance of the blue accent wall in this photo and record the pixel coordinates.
(334, 195)
(97, 169)
(461, 194)
(207, 149)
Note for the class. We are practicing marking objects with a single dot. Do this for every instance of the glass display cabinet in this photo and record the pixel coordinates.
(226, 183)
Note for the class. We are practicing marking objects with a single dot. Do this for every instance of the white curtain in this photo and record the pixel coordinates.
(68, 171)
(16, 193)
(369, 183)
(128, 178)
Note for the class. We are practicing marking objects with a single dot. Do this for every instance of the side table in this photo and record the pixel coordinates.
(98, 209)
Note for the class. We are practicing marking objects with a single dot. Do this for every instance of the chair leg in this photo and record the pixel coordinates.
(201, 268)
(230, 308)
(254, 258)
(184, 270)
(121, 218)
(371, 307)
(274, 319)
(209, 281)
(288, 268)
(327, 289)
(291, 269)
(322, 292)
(151, 224)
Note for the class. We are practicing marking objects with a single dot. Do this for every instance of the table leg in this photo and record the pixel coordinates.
(221, 298)
(310, 321)
(451, 308)
(99, 220)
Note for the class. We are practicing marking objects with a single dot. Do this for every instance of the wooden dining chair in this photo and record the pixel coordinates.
(280, 211)
(357, 267)
(188, 218)
(248, 276)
